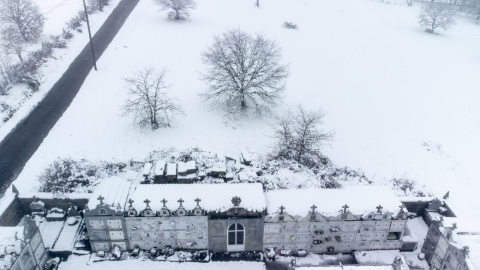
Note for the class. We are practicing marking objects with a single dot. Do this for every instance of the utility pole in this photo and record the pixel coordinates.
(90, 36)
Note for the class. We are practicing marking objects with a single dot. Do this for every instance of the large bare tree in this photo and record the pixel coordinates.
(437, 15)
(148, 100)
(244, 72)
(299, 135)
(179, 8)
(24, 16)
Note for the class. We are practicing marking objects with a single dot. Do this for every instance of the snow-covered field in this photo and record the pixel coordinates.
(402, 102)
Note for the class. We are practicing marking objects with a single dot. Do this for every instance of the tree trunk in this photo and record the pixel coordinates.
(19, 54)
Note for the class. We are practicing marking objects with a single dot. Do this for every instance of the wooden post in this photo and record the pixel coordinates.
(90, 36)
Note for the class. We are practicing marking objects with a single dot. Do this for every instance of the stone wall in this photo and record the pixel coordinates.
(417, 207)
(20, 206)
(63, 203)
(13, 214)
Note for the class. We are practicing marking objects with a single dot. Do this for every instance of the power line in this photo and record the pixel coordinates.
(59, 5)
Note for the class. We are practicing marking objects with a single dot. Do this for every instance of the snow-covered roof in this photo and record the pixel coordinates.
(361, 200)
(147, 168)
(159, 167)
(171, 169)
(114, 190)
(214, 197)
(184, 166)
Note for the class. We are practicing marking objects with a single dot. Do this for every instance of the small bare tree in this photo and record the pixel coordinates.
(12, 42)
(300, 137)
(7, 74)
(244, 72)
(149, 103)
(437, 15)
(179, 8)
(24, 16)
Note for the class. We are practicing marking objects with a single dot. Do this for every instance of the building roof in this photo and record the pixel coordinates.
(114, 190)
(214, 197)
(361, 200)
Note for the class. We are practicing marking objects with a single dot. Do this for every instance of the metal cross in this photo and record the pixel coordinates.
(281, 209)
(100, 198)
(313, 208)
(236, 201)
(379, 208)
(198, 201)
(345, 207)
(164, 202)
(180, 201)
(147, 201)
(130, 201)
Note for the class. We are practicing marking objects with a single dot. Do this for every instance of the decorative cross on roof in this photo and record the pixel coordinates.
(100, 198)
(164, 202)
(130, 201)
(281, 209)
(198, 201)
(147, 201)
(313, 208)
(379, 208)
(180, 201)
(236, 201)
(345, 207)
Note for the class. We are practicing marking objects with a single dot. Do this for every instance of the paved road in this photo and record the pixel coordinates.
(17, 148)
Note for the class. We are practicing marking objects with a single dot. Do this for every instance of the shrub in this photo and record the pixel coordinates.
(58, 41)
(289, 25)
(66, 34)
(74, 23)
(66, 175)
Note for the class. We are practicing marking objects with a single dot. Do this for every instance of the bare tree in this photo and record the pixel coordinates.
(149, 103)
(24, 16)
(437, 15)
(299, 135)
(244, 72)
(179, 8)
(7, 76)
(12, 42)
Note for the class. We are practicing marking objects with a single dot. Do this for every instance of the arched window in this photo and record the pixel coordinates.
(103, 211)
(236, 234)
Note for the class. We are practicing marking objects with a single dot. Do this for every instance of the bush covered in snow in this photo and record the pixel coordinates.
(289, 25)
(66, 175)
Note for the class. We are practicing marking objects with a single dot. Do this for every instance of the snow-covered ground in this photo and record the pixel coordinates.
(82, 262)
(402, 102)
